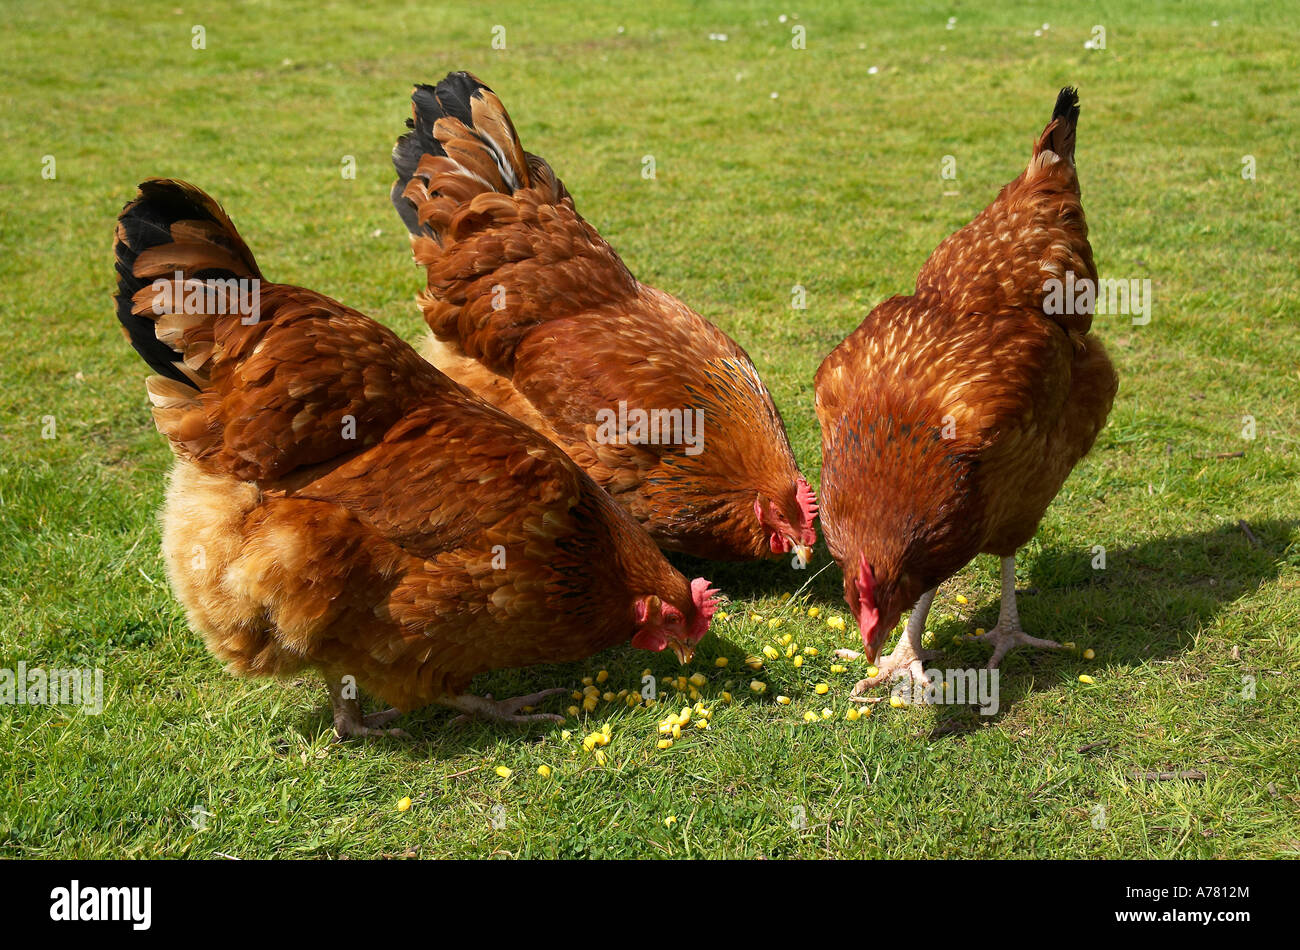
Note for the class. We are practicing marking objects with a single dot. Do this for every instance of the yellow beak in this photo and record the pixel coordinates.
(804, 553)
(684, 651)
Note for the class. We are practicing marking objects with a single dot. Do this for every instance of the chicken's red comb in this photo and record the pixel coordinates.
(706, 604)
(807, 499)
(866, 582)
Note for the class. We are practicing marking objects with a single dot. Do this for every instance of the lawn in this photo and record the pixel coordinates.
(775, 167)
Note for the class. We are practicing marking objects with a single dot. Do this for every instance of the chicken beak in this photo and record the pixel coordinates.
(684, 651)
(803, 552)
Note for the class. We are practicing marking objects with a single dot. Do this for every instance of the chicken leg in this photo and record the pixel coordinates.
(349, 723)
(503, 710)
(907, 656)
(1007, 635)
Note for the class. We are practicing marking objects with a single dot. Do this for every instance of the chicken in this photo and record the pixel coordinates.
(951, 418)
(337, 503)
(530, 308)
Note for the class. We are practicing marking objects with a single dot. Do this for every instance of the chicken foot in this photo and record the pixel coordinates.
(349, 723)
(908, 657)
(503, 710)
(1008, 635)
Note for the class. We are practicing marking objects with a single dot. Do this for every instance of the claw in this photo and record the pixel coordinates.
(505, 710)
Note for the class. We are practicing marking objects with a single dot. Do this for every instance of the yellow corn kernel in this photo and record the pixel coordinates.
(927, 638)
(723, 615)
(565, 734)
(821, 689)
(753, 662)
(770, 652)
(726, 697)
(1089, 654)
(600, 757)
(798, 662)
(835, 623)
(784, 597)
(1068, 644)
(699, 679)
(827, 713)
(677, 731)
(720, 662)
(961, 599)
(789, 651)
(404, 804)
(607, 730)
(664, 744)
(503, 771)
(665, 728)
(872, 671)
(897, 702)
(787, 638)
(1085, 678)
(589, 704)
(622, 693)
(576, 694)
(809, 651)
(589, 742)
(646, 671)
(814, 612)
(670, 821)
(980, 631)
(587, 681)
(783, 700)
(755, 617)
(574, 711)
(608, 697)
(544, 771)
(602, 676)
(810, 716)
(852, 714)
(685, 715)
(838, 668)
(632, 699)
(774, 622)
(701, 724)
(682, 683)
(590, 691)
(758, 686)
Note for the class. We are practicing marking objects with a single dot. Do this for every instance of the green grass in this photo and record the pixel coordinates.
(834, 185)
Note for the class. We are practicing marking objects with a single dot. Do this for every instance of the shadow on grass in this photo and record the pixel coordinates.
(1148, 602)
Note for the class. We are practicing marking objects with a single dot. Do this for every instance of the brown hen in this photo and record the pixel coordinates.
(534, 311)
(951, 418)
(337, 503)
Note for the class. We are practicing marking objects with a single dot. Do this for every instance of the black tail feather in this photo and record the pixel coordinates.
(146, 222)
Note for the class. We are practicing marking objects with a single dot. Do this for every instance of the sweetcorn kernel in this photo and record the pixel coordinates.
(821, 689)
(1089, 654)
(664, 744)
(1085, 678)
(770, 652)
(726, 697)
(786, 639)
(872, 671)
(835, 623)
(608, 697)
(574, 711)
(600, 757)
(814, 612)
(798, 661)
(404, 804)
(753, 662)
(852, 714)
(783, 700)
(720, 662)
(810, 651)
(758, 686)
(544, 771)
(587, 681)
(503, 771)
(670, 821)
(589, 704)
(827, 713)
(810, 716)
(839, 668)
(602, 676)
(607, 729)
(897, 702)
(774, 622)
(699, 679)
(961, 599)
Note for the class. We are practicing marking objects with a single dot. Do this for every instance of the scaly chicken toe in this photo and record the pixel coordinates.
(349, 723)
(908, 657)
(504, 710)
(1007, 635)
(1006, 639)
